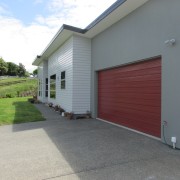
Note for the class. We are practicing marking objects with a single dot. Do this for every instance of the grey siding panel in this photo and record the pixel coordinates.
(81, 74)
(141, 35)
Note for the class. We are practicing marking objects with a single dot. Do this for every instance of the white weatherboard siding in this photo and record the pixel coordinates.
(40, 79)
(45, 75)
(42, 75)
(81, 74)
(59, 61)
(73, 57)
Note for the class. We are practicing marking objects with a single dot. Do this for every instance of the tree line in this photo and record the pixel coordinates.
(12, 69)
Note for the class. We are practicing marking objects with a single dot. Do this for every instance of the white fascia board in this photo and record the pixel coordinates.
(55, 43)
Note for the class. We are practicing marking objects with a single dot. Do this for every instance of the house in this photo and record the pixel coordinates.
(123, 67)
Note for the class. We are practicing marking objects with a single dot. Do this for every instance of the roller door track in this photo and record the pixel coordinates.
(131, 96)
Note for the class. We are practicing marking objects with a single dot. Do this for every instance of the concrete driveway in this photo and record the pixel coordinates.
(82, 149)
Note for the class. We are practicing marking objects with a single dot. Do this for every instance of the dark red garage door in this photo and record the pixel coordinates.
(131, 96)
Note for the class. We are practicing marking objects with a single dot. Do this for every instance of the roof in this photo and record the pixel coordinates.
(113, 14)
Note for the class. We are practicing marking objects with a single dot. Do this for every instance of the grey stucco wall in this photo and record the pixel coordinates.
(141, 35)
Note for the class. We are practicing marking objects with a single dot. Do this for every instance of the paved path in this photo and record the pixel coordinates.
(82, 149)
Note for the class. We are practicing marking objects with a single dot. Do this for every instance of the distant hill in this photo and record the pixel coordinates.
(17, 87)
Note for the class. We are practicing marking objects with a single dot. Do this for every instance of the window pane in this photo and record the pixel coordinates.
(52, 87)
(52, 94)
(53, 78)
(46, 80)
(63, 84)
(63, 75)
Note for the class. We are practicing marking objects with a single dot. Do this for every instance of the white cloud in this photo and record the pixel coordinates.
(38, 1)
(4, 10)
(76, 12)
(21, 43)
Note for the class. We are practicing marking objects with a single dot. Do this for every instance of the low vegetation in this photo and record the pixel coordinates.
(18, 110)
(17, 87)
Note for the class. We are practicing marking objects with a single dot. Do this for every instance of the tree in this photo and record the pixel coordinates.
(35, 72)
(3, 67)
(27, 74)
(12, 69)
(21, 70)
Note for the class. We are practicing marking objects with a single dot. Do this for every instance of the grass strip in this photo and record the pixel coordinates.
(18, 110)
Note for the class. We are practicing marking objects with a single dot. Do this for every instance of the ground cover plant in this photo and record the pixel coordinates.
(18, 110)
(15, 87)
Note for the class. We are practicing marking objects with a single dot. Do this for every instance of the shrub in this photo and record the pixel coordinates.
(9, 95)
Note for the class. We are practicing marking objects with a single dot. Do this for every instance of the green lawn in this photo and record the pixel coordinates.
(18, 110)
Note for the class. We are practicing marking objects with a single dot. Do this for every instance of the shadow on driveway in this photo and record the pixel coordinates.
(83, 149)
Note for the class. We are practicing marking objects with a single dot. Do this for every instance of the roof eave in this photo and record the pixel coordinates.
(61, 36)
(114, 13)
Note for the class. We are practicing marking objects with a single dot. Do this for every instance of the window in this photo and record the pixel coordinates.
(40, 87)
(63, 81)
(53, 86)
(46, 88)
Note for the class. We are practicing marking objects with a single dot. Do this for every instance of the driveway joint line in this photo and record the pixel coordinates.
(103, 167)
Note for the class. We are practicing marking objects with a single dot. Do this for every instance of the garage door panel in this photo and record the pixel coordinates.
(130, 102)
(135, 103)
(133, 84)
(131, 96)
(131, 107)
(134, 68)
(149, 128)
(119, 85)
(132, 79)
(150, 117)
(140, 77)
(151, 107)
(141, 84)
(137, 66)
(137, 73)
(143, 98)
(134, 123)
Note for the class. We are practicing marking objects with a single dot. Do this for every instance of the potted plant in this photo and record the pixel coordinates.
(88, 114)
(61, 110)
(69, 115)
(50, 104)
(56, 107)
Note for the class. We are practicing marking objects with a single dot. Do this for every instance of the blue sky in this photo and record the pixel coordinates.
(27, 26)
(26, 10)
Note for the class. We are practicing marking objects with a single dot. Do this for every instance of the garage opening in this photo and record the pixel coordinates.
(131, 96)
